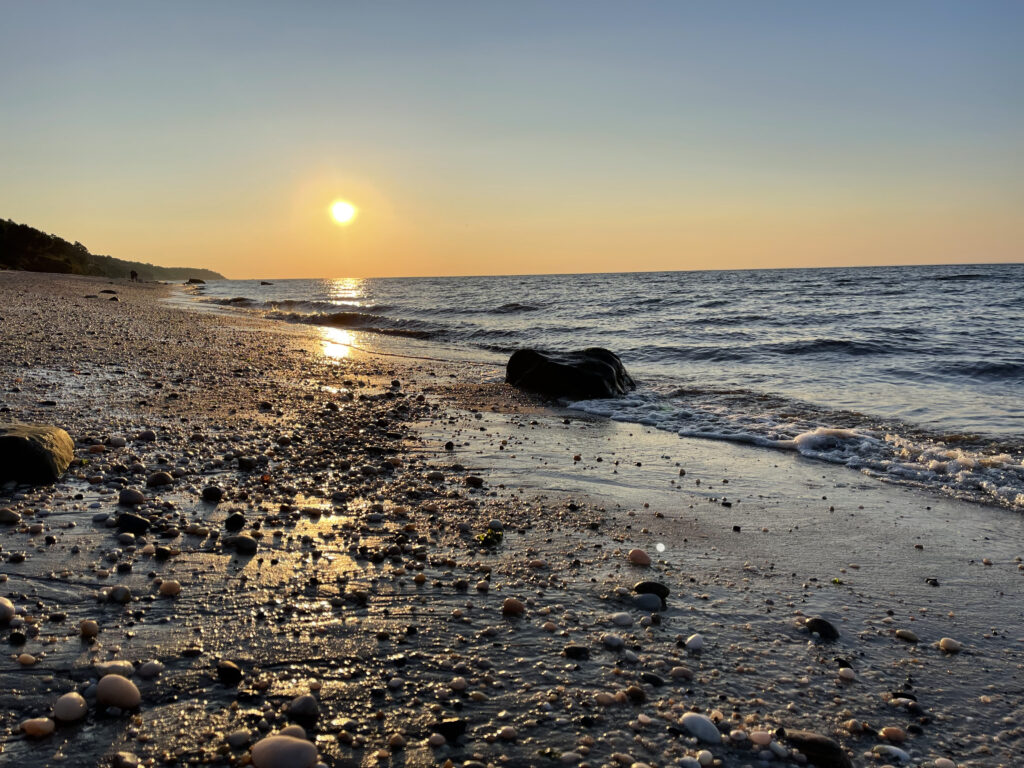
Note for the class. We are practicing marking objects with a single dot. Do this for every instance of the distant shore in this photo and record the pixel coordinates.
(351, 551)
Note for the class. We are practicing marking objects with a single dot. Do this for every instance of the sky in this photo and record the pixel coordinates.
(516, 137)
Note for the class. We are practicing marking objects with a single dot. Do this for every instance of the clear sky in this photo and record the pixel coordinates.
(486, 137)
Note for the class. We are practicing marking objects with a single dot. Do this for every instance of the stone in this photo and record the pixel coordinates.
(38, 727)
(579, 375)
(88, 628)
(146, 436)
(117, 691)
(621, 619)
(304, 707)
(70, 707)
(823, 629)
(907, 635)
(648, 602)
(132, 523)
(150, 669)
(451, 729)
(949, 645)
(578, 652)
(512, 607)
(638, 557)
(213, 494)
(120, 594)
(9, 517)
(229, 673)
(245, 544)
(6, 610)
(613, 642)
(695, 643)
(283, 752)
(170, 588)
(820, 750)
(34, 453)
(130, 497)
(125, 760)
(701, 727)
(651, 588)
(235, 522)
(158, 479)
(889, 752)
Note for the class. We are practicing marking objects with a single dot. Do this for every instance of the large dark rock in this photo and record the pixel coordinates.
(588, 373)
(34, 453)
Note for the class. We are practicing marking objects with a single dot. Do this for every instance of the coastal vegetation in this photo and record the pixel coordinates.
(26, 248)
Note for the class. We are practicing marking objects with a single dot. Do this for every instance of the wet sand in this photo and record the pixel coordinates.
(369, 588)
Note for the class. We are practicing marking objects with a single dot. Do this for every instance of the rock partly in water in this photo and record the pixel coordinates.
(584, 374)
(34, 453)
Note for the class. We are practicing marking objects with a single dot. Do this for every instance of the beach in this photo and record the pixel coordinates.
(420, 566)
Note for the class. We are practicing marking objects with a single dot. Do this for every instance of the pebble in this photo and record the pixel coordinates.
(943, 762)
(118, 691)
(613, 642)
(150, 669)
(508, 733)
(761, 738)
(38, 727)
(159, 478)
(26, 659)
(695, 643)
(170, 588)
(6, 610)
(513, 607)
(891, 752)
(304, 707)
(651, 588)
(9, 516)
(907, 635)
(823, 629)
(239, 739)
(949, 645)
(283, 752)
(701, 727)
(70, 707)
(120, 594)
(213, 494)
(638, 557)
(647, 602)
(893, 734)
(130, 497)
(847, 674)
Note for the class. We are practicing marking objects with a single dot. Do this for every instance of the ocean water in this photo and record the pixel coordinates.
(914, 375)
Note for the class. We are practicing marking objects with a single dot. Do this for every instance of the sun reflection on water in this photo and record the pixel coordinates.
(336, 343)
(346, 289)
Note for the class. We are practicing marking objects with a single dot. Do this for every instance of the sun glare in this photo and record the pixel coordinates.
(343, 212)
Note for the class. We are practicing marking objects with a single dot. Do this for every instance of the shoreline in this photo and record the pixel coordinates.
(335, 608)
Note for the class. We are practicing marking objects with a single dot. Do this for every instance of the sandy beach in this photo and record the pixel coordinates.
(419, 566)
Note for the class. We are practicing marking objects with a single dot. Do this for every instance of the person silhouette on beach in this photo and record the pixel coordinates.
(135, 276)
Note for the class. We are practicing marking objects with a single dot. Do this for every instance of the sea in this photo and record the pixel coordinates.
(912, 375)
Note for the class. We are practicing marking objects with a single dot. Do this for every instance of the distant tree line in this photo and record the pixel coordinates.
(27, 248)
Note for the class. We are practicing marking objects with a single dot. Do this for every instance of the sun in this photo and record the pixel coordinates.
(343, 212)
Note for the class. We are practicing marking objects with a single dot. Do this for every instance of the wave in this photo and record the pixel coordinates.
(367, 322)
(968, 467)
(965, 276)
(984, 370)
